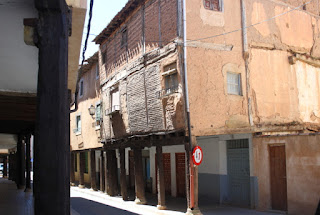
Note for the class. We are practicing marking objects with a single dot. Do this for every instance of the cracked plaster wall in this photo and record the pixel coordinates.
(280, 93)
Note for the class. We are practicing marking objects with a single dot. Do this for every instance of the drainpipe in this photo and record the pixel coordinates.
(76, 95)
(186, 92)
(246, 57)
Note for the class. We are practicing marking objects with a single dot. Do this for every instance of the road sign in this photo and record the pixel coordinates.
(197, 155)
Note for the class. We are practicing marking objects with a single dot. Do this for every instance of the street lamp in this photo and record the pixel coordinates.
(92, 110)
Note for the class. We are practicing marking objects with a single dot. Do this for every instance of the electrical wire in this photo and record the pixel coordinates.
(88, 33)
(249, 26)
(229, 32)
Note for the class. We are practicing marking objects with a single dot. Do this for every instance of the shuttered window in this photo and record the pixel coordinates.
(234, 83)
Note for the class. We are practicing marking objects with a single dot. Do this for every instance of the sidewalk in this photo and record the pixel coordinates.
(96, 202)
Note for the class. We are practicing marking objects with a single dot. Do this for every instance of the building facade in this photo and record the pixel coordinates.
(253, 88)
(254, 102)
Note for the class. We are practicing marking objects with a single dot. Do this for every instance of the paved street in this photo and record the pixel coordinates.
(89, 202)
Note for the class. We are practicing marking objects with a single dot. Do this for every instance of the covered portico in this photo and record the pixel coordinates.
(39, 58)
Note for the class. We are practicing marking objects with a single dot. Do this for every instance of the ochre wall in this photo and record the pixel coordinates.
(282, 96)
(212, 110)
(302, 168)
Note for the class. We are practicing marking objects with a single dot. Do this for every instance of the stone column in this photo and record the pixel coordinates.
(93, 169)
(82, 166)
(112, 173)
(139, 181)
(72, 172)
(5, 169)
(28, 164)
(160, 179)
(123, 178)
(102, 183)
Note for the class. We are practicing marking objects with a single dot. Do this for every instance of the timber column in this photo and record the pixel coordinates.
(82, 166)
(160, 179)
(102, 188)
(112, 173)
(72, 164)
(52, 148)
(93, 169)
(139, 181)
(123, 178)
(10, 166)
(20, 164)
(5, 166)
(28, 164)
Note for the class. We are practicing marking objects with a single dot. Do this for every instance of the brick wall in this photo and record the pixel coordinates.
(117, 57)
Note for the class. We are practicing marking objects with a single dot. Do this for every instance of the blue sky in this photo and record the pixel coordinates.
(103, 12)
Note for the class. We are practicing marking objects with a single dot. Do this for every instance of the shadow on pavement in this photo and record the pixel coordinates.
(83, 206)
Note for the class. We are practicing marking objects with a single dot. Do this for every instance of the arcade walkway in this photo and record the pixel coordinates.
(14, 201)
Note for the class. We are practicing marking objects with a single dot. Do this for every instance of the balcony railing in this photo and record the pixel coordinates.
(168, 91)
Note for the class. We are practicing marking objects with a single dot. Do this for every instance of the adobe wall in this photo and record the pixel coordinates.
(292, 87)
(281, 93)
(303, 171)
(212, 110)
(90, 133)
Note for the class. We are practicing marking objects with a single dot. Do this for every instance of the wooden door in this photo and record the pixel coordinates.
(278, 178)
(181, 174)
(167, 172)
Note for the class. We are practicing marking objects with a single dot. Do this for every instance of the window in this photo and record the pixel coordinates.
(115, 100)
(171, 78)
(234, 83)
(81, 88)
(86, 159)
(215, 5)
(104, 56)
(124, 38)
(98, 114)
(97, 71)
(78, 124)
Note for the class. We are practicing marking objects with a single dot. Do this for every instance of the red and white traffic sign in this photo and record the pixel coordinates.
(197, 155)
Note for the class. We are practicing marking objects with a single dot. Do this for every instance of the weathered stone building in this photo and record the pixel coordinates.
(253, 88)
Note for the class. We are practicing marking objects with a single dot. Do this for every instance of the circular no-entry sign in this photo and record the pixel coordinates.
(197, 155)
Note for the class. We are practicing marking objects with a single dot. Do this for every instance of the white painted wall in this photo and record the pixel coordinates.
(215, 153)
(19, 62)
(166, 149)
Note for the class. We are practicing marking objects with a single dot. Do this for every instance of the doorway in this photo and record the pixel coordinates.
(278, 177)
(238, 172)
